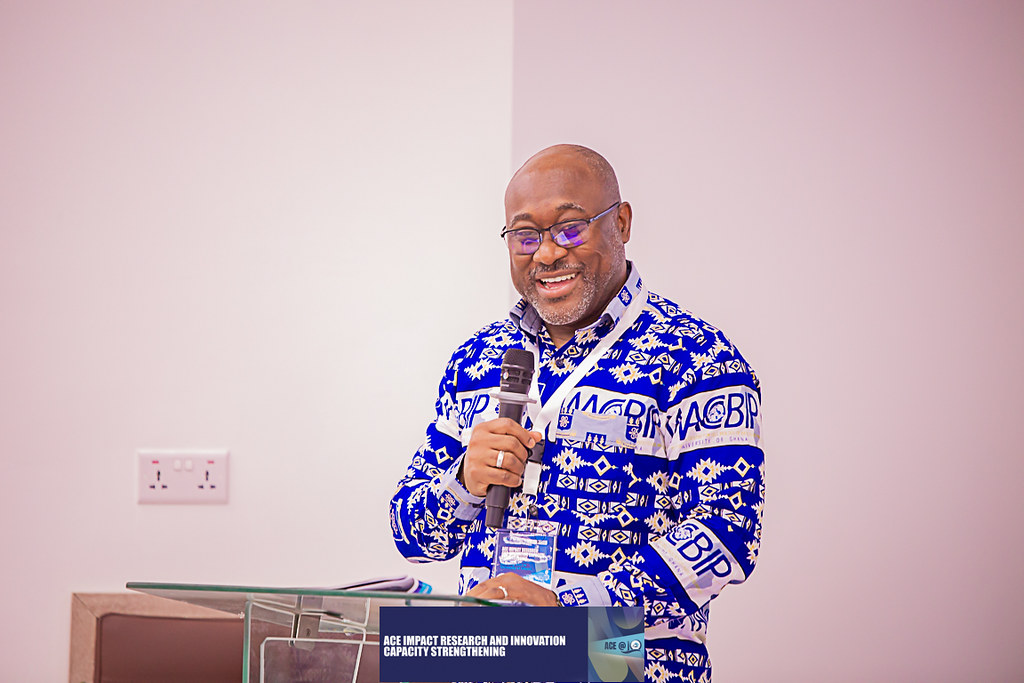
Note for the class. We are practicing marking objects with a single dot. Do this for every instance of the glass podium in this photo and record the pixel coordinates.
(297, 635)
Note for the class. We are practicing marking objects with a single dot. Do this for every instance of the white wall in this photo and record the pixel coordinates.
(259, 226)
(839, 187)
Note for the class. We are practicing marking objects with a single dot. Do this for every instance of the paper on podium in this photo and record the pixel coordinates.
(391, 584)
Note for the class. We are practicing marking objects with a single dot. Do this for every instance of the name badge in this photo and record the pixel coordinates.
(530, 553)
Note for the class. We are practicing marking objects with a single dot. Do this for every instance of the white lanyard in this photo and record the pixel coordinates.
(542, 415)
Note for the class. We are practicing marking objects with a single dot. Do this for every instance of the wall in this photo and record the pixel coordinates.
(227, 225)
(837, 186)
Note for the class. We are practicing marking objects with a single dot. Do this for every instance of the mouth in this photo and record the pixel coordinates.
(556, 284)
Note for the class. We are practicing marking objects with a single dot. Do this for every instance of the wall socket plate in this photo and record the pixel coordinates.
(182, 476)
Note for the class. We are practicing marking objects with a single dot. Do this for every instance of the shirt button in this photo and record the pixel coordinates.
(559, 363)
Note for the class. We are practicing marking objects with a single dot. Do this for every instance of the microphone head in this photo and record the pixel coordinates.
(517, 371)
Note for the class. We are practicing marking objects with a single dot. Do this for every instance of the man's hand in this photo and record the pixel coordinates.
(516, 588)
(479, 465)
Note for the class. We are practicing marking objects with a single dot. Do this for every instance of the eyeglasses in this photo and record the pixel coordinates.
(567, 234)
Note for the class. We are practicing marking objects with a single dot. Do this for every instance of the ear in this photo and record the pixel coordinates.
(625, 220)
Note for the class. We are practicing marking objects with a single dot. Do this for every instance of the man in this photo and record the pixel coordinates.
(652, 473)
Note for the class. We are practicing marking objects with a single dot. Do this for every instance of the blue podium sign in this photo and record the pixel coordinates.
(509, 643)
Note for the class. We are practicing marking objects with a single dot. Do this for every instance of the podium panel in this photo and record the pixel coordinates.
(297, 635)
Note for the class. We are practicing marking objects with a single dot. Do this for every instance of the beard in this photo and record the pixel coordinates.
(590, 290)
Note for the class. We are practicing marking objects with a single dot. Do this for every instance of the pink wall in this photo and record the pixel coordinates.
(839, 187)
(230, 228)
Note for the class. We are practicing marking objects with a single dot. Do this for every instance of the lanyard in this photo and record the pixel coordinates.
(541, 415)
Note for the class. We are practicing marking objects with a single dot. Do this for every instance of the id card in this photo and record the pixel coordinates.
(530, 553)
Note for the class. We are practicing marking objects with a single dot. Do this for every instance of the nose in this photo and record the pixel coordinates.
(549, 251)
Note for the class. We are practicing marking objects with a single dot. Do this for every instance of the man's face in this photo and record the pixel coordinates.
(568, 287)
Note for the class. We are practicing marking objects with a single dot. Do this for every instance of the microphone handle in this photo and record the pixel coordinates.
(497, 494)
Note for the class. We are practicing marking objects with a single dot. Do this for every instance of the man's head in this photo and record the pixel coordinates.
(569, 287)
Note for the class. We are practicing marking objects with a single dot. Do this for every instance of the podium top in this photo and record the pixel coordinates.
(234, 599)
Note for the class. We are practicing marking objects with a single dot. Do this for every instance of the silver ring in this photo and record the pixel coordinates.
(503, 592)
(501, 457)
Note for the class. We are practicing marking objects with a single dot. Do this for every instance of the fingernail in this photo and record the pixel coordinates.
(532, 442)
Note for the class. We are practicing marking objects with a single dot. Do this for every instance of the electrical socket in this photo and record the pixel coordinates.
(183, 476)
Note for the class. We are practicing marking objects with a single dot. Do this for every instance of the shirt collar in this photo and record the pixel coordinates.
(526, 318)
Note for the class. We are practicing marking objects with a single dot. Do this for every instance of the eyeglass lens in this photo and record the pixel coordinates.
(527, 240)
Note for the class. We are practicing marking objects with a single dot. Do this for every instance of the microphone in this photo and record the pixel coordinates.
(516, 377)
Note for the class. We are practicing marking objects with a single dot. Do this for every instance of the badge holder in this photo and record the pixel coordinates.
(528, 550)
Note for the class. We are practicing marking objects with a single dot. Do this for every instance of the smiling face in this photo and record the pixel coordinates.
(568, 287)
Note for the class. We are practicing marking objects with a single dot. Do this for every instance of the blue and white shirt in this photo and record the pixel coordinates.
(653, 471)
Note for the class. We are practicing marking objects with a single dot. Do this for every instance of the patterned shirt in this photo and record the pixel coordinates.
(652, 472)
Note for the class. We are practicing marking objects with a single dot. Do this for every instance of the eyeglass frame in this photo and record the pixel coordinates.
(540, 231)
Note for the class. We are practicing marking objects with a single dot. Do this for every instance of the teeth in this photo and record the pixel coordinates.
(553, 280)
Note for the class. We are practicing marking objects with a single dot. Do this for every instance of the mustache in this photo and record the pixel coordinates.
(540, 270)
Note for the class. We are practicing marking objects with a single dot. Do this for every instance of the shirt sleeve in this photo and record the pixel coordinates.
(430, 510)
(712, 433)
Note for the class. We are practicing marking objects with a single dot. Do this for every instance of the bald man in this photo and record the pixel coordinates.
(648, 420)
